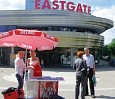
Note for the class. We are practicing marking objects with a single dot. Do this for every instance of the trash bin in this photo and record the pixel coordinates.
(10, 93)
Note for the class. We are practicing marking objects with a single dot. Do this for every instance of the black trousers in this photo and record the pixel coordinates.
(89, 77)
(20, 81)
(80, 80)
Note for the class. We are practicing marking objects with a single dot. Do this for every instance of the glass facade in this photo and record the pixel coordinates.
(59, 28)
(58, 56)
(5, 28)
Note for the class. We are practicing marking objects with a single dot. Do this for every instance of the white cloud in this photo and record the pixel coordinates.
(108, 13)
(12, 4)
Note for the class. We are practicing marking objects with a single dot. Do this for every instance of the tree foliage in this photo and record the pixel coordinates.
(109, 50)
(106, 50)
(112, 47)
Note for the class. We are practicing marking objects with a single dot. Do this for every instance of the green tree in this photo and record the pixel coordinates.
(106, 50)
(109, 50)
(112, 47)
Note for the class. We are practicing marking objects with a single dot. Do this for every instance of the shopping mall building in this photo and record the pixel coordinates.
(71, 23)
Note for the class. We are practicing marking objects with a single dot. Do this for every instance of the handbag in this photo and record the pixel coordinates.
(84, 72)
(37, 71)
(94, 80)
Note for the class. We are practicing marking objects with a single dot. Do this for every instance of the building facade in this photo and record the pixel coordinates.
(74, 31)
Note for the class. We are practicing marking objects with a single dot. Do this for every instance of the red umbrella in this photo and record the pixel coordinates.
(28, 39)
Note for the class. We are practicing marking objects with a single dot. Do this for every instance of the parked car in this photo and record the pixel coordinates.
(112, 62)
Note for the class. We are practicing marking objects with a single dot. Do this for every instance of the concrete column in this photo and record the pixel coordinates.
(71, 54)
(12, 50)
(1, 55)
(12, 57)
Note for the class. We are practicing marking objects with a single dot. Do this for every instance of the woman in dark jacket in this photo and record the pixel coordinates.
(81, 75)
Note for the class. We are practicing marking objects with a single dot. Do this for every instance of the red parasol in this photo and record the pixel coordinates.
(28, 39)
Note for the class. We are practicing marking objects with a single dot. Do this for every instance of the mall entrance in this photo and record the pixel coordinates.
(57, 56)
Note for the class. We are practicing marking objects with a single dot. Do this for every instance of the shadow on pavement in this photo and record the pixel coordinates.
(103, 67)
(5, 66)
(59, 69)
(105, 97)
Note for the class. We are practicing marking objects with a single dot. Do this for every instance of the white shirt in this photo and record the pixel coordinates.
(89, 60)
(19, 66)
(30, 71)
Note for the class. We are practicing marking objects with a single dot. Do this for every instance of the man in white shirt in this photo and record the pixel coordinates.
(19, 68)
(91, 70)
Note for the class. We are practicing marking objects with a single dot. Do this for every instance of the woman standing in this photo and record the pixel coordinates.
(81, 75)
(31, 62)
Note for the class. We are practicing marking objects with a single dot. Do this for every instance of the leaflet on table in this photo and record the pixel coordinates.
(49, 78)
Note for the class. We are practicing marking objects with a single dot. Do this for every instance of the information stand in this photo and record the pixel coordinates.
(43, 87)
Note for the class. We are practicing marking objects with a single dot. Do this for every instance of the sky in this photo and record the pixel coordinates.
(100, 8)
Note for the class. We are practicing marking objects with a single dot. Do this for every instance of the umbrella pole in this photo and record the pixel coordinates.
(26, 75)
(26, 58)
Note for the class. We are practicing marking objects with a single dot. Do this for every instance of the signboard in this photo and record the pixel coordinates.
(58, 5)
(47, 88)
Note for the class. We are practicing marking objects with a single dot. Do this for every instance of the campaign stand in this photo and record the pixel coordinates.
(43, 87)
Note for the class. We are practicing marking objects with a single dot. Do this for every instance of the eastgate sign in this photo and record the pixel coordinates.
(63, 5)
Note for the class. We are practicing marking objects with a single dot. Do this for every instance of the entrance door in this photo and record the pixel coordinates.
(58, 56)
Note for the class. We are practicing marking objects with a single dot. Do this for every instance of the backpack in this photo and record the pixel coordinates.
(9, 90)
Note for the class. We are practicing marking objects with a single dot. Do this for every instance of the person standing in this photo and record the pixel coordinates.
(19, 68)
(81, 75)
(91, 71)
(31, 62)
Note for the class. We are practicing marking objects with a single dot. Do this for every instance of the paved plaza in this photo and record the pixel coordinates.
(105, 88)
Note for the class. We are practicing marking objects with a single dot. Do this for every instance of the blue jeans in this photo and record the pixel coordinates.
(20, 81)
